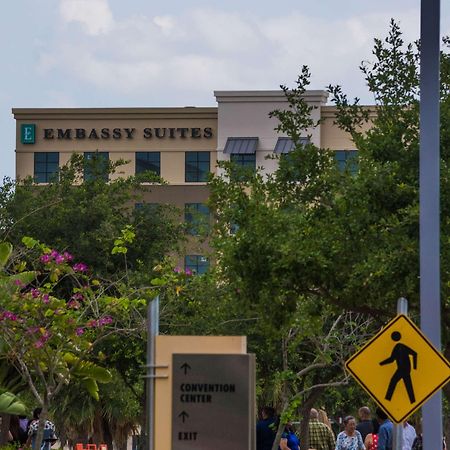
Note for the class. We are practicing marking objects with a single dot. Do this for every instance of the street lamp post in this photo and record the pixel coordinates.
(430, 303)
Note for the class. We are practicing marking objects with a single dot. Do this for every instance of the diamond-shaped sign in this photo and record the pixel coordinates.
(399, 368)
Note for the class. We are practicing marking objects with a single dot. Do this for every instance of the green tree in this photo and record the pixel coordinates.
(310, 234)
(51, 339)
(87, 215)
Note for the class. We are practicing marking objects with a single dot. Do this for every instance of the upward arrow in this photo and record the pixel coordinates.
(184, 415)
(185, 367)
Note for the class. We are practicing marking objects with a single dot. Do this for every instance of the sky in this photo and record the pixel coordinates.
(117, 53)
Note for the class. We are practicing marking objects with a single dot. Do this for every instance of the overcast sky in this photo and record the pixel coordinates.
(93, 53)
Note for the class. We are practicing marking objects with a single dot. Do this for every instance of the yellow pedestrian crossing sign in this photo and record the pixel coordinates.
(399, 368)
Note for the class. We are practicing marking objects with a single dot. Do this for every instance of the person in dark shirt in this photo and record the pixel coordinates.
(266, 429)
(365, 425)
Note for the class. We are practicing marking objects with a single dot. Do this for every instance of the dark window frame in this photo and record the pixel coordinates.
(349, 162)
(150, 159)
(197, 218)
(196, 264)
(87, 176)
(197, 166)
(245, 165)
(45, 170)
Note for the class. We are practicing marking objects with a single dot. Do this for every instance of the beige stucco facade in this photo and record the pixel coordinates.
(246, 114)
(173, 132)
(120, 131)
(124, 131)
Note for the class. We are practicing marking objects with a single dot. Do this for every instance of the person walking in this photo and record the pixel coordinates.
(409, 435)
(385, 431)
(266, 429)
(365, 425)
(350, 438)
(289, 440)
(320, 435)
(49, 437)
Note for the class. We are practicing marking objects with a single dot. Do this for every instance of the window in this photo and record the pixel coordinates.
(347, 159)
(46, 165)
(96, 165)
(196, 215)
(197, 166)
(246, 165)
(196, 263)
(148, 161)
(144, 207)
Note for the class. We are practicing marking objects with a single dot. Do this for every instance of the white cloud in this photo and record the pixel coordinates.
(165, 23)
(203, 50)
(94, 15)
(223, 31)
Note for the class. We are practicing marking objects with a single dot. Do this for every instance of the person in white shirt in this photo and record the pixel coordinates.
(409, 434)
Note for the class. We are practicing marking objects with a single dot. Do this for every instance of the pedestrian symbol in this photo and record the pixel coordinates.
(401, 355)
(399, 368)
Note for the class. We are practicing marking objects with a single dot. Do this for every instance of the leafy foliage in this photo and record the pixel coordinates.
(87, 216)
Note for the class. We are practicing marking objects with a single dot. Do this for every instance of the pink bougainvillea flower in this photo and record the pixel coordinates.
(91, 323)
(39, 344)
(54, 253)
(9, 315)
(80, 267)
(105, 320)
(67, 256)
(45, 258)
(59, 259)
(35, 293)
(177, 270)
(73, 304)
(79, 331)
(45, 298)
(18, 283)
(188, 272)
(77, 296)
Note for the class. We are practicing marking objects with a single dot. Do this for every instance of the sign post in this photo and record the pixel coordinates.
(400, 368)
(430, 300)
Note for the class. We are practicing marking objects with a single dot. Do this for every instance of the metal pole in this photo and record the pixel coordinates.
(152, 331)
(430, 303)
(397, 438)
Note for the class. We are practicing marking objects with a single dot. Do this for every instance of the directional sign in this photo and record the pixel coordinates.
(212, 401)
(399, 368)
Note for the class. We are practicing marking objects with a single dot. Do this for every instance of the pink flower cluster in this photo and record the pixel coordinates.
(74, 302)
(8, 315)
(57, 257)
(43, 339)
(106, 320)
(188, 271)
(80, 267)
(35, 293)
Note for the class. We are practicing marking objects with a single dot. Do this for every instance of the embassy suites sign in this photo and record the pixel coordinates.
(28, 133)
(126, 133)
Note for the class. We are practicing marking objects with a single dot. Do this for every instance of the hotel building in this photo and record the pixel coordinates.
(182, 145)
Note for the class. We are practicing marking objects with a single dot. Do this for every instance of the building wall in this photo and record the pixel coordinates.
(180, 130)
(168, 122)
(246, 114)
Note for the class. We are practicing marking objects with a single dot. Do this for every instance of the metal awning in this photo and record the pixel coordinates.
(241, 145)
(286, 145)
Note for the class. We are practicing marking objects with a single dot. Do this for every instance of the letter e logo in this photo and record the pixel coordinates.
(27, 133)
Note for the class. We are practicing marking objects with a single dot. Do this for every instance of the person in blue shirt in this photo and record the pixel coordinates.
(385, 431)
(266, 429)
(289, 440)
